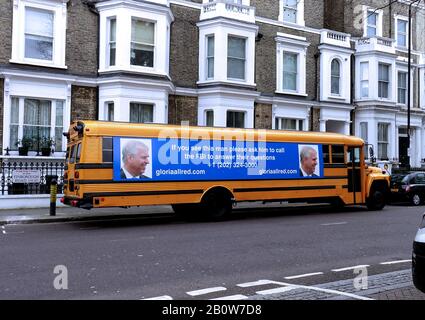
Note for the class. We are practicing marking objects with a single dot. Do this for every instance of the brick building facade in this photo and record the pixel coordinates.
(322, 65)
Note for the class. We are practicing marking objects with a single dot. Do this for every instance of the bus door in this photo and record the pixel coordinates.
(354, 173)
(73, 158)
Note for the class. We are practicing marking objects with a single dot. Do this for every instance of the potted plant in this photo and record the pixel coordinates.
(24, 145)
(46, 145)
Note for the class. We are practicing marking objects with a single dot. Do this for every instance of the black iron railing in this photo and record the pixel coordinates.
(30, 177)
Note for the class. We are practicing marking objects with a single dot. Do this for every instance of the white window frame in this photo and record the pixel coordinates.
(405, 19)
(143, 103)
(340, 77)
(154, 45)
(58, 8)
(298, 127)
(245, 59)
(207, 57)
(237, 111)
(108, 50)
(206, 117)
(364, 77)
(366, 11)
(300, 21)
(21, 104)
(107, 109)
(387, 142)
(389, 81)
(297, 45)
(405, 88)
(125, 11)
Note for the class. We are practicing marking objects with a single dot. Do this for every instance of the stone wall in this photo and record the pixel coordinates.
(182, 108)
(84, 103)
(263, 116)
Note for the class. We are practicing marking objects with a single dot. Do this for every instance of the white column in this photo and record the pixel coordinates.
(418, 137)
(322, 125)
(347, 127)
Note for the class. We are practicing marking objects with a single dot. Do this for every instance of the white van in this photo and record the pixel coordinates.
(418, 258)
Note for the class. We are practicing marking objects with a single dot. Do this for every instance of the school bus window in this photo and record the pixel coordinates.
(72, 154)
(353, 154)
(338, 154)
(107, 149)
(325, 151)
(78, 153)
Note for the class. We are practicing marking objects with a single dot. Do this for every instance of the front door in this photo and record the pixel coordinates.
(403, 144)
(354, 172)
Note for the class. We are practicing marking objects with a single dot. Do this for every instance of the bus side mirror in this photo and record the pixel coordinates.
(371, 153)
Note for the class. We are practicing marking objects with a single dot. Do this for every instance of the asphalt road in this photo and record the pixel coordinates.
(165, 257)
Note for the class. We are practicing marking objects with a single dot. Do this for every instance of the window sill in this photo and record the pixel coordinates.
(38, 63)
(293, 93)
(135, 69)
(336, 97)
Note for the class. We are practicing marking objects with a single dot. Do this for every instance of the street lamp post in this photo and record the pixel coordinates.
(409, 55)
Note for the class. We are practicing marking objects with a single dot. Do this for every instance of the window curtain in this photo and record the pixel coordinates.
(37, 120)
(38, 34)
(14, 123)
(141, 113)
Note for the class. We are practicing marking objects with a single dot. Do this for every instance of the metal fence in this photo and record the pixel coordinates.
(30, 177)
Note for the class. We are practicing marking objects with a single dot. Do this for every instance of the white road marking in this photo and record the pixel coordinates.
(304, 275)
(205, 291)
(234, 297)
(397, 261)
(333, 224)
(254, 283)
(350, 295)
(3, 231)
(351, 268)
(276, 290)
(160, 298)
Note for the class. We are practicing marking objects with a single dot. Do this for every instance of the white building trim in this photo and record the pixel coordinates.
(59, 11)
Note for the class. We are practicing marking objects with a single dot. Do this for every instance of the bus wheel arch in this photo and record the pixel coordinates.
(378, 195)
(217, 202)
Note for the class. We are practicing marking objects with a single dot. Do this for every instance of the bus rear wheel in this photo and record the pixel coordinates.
(376, 200)
(216, 204)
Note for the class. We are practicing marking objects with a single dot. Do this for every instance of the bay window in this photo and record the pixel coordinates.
(235, 119)
(210, 57)
(141, 113)
(364, 79)
(142, 43)
(36, 120)
(383, 80)
(335, 76)
(112, 40)
(289, 124)
(236, 57)
(383, 141)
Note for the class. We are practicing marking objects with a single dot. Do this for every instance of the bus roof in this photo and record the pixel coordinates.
(125, 129)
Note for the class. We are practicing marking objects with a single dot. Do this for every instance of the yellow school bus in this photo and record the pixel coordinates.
(204, 171)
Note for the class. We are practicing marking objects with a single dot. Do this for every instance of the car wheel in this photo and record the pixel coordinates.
(416, 199)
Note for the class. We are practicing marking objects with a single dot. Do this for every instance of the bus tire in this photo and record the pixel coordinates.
(185, 210)
(376, 200)
(216, 204)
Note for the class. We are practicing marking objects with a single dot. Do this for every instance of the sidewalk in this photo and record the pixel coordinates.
(65, 213)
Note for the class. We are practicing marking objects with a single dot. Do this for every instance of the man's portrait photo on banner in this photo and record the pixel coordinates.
(136, 157)
(308, 156)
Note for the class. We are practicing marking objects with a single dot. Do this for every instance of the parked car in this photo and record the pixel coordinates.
(418, 258)
(408, 186)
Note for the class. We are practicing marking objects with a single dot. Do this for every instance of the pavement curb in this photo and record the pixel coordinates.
(84, 219)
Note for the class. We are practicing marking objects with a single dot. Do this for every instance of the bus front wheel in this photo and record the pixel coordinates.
(376, 200)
